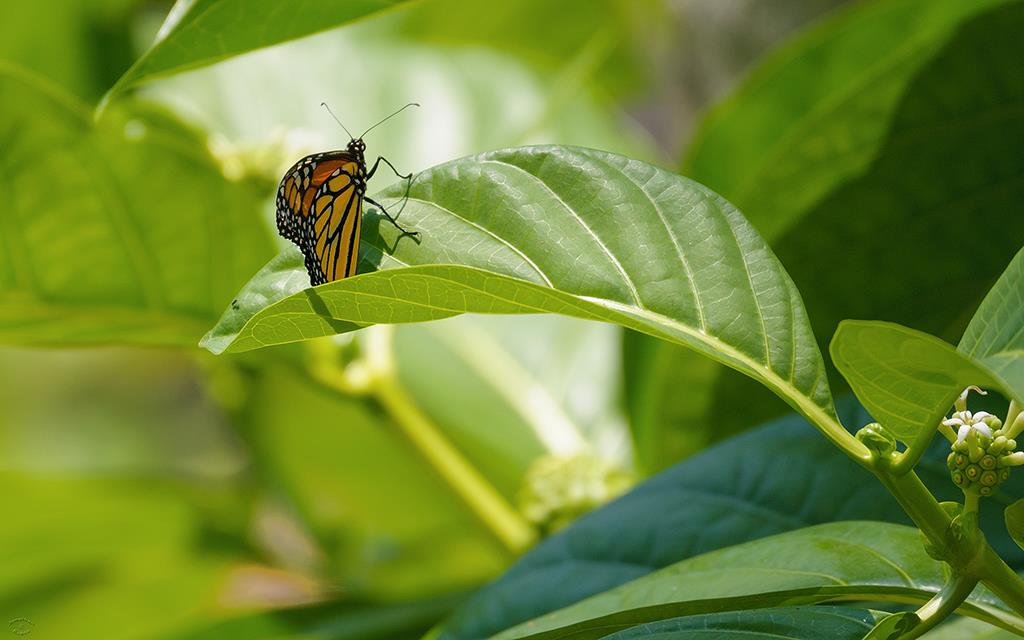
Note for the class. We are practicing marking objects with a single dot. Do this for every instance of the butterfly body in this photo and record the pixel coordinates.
(320, 206)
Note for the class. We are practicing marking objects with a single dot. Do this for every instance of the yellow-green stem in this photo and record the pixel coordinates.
(489, 505)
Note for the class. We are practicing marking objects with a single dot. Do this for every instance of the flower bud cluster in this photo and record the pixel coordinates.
(982, 451)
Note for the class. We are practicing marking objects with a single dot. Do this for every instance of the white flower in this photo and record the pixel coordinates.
(965, 423)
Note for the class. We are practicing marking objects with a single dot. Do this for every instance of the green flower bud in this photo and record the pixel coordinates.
(987, 461)
(989, 478)
(1014, 459)
(877, 439)
(973, 472)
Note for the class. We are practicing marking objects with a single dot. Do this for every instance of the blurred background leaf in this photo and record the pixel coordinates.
(184, 40)
(93, 247)
(873, 188)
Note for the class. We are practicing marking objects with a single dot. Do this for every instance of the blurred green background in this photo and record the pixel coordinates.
(150, 490)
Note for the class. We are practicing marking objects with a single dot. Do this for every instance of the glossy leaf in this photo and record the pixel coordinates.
(650, 250)
(847, 560)
(747, 487)
(995, 336)
(99, 242)
(201, 32)
(787, 623)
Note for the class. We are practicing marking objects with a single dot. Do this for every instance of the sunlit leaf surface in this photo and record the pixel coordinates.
(649, 250)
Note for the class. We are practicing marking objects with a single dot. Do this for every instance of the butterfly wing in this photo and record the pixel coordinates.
(298, 187)
(303, 186)
(332, 241)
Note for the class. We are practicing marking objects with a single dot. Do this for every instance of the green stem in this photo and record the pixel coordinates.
(374, 374)
(1002, 580)
(970, 502)
(920, 505)
(942, 605)
(481, 496)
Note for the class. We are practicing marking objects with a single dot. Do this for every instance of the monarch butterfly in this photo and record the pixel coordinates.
(320, 206)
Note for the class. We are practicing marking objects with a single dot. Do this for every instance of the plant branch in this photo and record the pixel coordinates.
(919, 503)
(1002, 580)
(374, 374)
(942, 605)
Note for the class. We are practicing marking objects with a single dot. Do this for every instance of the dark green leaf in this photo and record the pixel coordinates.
(201, 32)
(99, 241)
(847, 560)
(749, 486)
(650, 250)
(788, 623)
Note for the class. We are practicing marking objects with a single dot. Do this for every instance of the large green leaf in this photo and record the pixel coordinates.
(747, 487)
(99, 240)
(995, 336)
(560, 230)
(846, 560)
(201, 32)
(838, 149)
(786, 623)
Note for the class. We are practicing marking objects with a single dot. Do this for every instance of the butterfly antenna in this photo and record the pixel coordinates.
(411, 104)
(324, 105)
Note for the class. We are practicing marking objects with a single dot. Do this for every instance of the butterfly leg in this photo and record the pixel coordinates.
(373, 169)
(405, 231)
(407, 177)
(408, 185)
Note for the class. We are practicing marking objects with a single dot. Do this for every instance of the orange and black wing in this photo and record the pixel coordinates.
(297, 191)
(332, 241)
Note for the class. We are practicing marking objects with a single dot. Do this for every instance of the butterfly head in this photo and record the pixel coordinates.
(356, 146)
